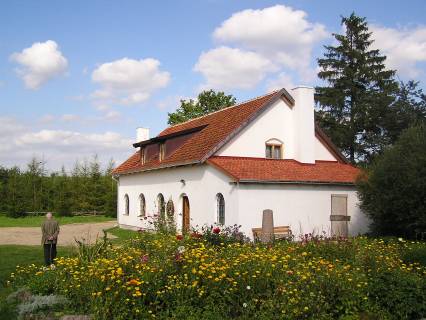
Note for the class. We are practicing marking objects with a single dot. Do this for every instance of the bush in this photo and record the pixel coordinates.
(393, 190)
(194, 276)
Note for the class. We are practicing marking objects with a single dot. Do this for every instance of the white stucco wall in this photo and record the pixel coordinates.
(276, 122)
(305, 208)
(280, 122)
(321, 152)
(202, 183)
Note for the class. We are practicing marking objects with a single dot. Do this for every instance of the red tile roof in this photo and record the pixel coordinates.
(209, 133)
(244, 169)
(219, 127)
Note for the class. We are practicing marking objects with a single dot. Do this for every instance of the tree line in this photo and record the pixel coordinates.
(86, 189)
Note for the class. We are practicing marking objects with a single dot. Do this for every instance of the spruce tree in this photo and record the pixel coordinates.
(353, 105)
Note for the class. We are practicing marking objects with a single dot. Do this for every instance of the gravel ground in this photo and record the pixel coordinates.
(32, 236)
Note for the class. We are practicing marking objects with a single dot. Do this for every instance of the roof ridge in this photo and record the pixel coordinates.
(223, 109)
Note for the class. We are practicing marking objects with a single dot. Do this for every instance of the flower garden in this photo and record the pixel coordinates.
(217, 274)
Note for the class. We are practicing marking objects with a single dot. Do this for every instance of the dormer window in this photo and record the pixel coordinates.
(274, 149)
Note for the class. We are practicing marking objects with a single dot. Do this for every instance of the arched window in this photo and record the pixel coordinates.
(170, 208)
(126, 205)
(274, 149)
(161, 205)
(220, 201)
(142, 205)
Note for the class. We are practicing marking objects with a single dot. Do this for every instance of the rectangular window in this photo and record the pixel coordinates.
(277, 152)
(268, 151)
(273, 151)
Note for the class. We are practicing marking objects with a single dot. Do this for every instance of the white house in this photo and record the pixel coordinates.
(230, 165)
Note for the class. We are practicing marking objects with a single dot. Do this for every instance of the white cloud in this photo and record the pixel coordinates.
(18, 143)
(404, 47)
(226, 68)
(40, 63)
(280, 33)
(282, 81)
(128, 81)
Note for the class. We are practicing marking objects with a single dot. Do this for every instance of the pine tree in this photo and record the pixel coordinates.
(408, 110)
(352, 108)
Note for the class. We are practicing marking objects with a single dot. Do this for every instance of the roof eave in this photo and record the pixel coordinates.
(255, 181)
(164, 166)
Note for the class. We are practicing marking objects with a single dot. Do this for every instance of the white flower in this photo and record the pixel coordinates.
(400, 239)
(245, 305)
(248, 287)
(181, 249)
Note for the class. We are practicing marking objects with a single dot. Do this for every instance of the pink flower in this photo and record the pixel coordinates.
(144, 258)
(216, 230)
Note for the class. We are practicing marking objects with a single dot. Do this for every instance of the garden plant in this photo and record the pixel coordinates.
(215, 273)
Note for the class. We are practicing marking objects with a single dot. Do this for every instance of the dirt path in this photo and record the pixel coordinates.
(32, 236)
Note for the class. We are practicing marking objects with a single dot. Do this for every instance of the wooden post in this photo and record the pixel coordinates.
(267, 225)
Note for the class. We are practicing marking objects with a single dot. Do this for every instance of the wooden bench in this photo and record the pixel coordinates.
(281, 232)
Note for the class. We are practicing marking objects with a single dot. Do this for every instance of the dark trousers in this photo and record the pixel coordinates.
(49, 253)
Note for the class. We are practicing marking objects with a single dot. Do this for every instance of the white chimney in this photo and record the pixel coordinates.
(142, 134)
(304, 124)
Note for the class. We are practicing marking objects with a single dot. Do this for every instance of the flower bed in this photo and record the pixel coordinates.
(212, 275)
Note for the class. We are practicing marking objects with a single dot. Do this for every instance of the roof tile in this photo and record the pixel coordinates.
(282, 170)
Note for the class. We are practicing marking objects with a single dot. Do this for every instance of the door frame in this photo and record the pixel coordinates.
(186, 214)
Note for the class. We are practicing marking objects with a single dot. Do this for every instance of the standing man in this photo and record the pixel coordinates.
(50, 231)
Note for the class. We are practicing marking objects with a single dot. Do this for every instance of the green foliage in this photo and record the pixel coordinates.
(393, 192)
(190, 277)
(353, 106)
(207, 102)
(88, 189)
(408, 109)
(88, 252)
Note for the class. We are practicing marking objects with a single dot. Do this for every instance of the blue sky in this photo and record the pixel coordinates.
(77, 77)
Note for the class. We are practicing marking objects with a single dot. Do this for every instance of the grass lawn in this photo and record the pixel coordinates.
(121, 234)
(37, 221)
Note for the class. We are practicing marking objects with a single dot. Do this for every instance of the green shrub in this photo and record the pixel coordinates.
(393, 190)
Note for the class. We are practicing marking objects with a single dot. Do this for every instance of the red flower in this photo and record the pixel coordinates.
(196, 235)
(216, 230)
(144, 258)
(179, 237)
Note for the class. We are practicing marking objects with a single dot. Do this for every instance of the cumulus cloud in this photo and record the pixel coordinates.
(279, 32)
(283, 80)
(226, 68)
(40, 63)
(128, 81)
(275, 36)
(404, 47)
(18, 143)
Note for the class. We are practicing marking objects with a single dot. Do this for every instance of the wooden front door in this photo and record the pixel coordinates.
(185, 214)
